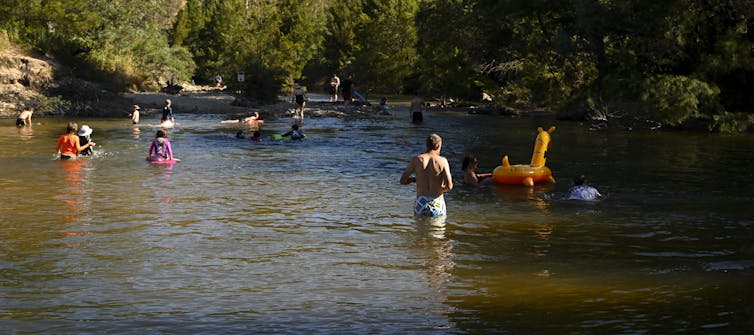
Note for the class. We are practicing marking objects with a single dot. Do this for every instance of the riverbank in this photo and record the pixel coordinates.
(22, 80)
(39, 82)
(212, 101)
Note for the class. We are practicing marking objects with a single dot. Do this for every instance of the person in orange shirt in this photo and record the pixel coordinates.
(68, 143)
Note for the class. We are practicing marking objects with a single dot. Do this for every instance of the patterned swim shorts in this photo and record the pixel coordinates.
(426, 206)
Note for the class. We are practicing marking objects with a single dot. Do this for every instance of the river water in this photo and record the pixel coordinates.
(318, 236)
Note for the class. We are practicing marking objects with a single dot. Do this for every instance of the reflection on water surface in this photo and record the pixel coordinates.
(317, 236)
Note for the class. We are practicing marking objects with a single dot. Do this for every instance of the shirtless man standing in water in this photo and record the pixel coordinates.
(416, 109)
(432, 177)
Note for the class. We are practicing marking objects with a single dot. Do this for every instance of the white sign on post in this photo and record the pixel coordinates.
(241, 76)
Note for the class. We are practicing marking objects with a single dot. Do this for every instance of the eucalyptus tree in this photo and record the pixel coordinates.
(270, 41)
(341, 42)
(446, 32)
(667, 61)
(118, 42)
(385, 53)
(674, 61)
(373, 42)
(716, 37)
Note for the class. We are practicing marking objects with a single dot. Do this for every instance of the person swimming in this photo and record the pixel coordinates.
(581, 190)
(135, 114)
(167, 112)
(250, 120)
(470, 177)
(295, 133)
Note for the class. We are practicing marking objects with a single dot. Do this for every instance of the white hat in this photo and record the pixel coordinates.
(137, 107)
(85, 130)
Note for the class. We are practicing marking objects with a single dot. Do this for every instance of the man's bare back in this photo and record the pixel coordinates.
(432, 174)
(416, 104)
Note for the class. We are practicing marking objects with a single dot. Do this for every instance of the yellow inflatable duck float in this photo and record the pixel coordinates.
(527, 174)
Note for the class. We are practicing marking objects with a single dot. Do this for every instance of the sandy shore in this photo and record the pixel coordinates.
(207, 100)
(211, 102)
(217, 102)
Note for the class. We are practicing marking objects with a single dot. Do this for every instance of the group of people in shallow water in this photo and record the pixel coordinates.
(345, 87)
(429, 170)
(167, 113)
(295, 133)
(76, 142)
(431, 173)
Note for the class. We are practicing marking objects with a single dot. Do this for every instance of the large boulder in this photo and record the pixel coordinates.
(22, 79)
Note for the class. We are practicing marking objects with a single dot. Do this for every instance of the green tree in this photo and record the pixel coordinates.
(341, 43)
(122, 43)
(189, 21)
(270, 41)
(675, 99)
(385, 53)
(445, 33)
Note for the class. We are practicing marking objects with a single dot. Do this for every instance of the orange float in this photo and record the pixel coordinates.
(527, 174)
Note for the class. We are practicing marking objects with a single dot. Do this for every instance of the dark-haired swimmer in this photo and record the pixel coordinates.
(470, 177)
(295, 133)
(581, 190)
(160, 149)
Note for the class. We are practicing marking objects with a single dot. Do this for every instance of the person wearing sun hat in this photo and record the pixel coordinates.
(68, 144)
(85, 137)
(135, 114)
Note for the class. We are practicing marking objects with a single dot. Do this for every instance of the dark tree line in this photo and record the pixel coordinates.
(661, 62)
